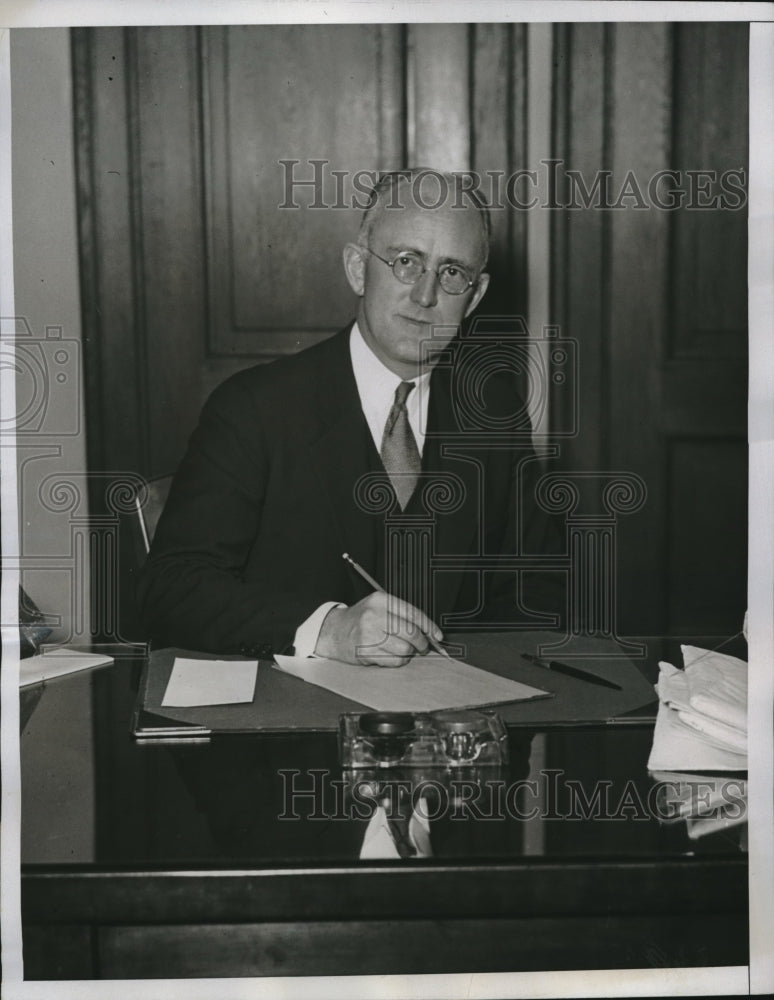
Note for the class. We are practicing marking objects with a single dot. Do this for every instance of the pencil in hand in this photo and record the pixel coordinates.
(377, 586)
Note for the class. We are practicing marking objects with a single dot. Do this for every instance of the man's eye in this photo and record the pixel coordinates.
(406, 259)
(453, 270)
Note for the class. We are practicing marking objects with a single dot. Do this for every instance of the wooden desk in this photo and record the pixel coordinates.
(185, 864)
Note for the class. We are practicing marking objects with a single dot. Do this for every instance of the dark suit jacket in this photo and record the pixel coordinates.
(262, 507)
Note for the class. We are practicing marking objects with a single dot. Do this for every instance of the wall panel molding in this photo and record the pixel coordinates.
(438, 105)
(662, 365)
(190, 271)
(275, 279)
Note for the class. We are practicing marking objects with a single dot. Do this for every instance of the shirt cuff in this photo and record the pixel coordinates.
(308, 632)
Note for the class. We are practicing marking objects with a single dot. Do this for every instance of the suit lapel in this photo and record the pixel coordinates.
(454, 530)
(340, 453)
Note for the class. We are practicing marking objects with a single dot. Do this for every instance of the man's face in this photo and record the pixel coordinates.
(395, 319)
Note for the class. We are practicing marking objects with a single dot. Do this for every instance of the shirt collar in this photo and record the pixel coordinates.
(376, 386)
(372, 373)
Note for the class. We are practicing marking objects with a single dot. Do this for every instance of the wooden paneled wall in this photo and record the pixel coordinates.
(191, 270)
(656, 299)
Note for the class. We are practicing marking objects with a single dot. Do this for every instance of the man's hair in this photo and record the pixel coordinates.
(449, 189)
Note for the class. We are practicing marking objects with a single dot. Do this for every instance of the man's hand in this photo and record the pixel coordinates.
(380, 629)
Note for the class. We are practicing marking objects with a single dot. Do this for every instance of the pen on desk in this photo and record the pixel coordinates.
(564, 668)
(377, 586)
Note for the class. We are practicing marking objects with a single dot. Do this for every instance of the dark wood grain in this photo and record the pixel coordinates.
(498, 144)
(581, 269)
(171, 272)
(57, 952)
(661, 360)
(385, 947)
(197, 871)
(709, 258)
(276, 283)
(540, 888)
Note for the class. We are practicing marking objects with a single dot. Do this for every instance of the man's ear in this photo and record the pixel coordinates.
(481, 287)
(354, 267)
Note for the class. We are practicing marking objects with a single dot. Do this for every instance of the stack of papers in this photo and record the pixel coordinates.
(702, 716)
(706, 803)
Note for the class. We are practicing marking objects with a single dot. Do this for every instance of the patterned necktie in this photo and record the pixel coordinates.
(399, 452)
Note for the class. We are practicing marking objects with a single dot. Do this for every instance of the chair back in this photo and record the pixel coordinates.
(149, 504)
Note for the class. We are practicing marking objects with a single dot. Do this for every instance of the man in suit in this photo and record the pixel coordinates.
(342, 447)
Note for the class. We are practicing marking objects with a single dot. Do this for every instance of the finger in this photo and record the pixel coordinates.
(395, 616)
(396, 645)
(411, 634)
(385, 617)
(414, 616)
(389, 660)
(381, 645)
(409, 622)
(378, 657)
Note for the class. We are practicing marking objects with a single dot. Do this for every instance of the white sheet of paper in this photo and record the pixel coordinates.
(424, 684)
(210, 682)
(56, 663)
(678, 747)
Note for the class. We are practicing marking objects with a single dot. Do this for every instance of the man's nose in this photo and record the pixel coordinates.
(425, 291)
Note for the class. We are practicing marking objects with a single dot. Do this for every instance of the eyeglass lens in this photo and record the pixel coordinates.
(409, 268)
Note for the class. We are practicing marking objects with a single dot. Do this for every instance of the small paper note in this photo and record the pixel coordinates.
(210, 682)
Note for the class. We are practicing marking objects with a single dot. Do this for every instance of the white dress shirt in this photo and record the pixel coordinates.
(376, 386)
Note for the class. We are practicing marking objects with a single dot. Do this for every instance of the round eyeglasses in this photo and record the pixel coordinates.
(408, 267)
